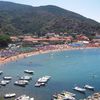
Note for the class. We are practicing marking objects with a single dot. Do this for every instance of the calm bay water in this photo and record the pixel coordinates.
(67, 68)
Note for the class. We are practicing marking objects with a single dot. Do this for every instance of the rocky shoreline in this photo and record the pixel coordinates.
(95, 96)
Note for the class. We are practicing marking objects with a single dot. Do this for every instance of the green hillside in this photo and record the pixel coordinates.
(22, 19)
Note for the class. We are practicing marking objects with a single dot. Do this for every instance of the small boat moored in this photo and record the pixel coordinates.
(9, 95)
(43, 79)
(7, 78)
(82, 90)
(26, 78)
(21, 82)
(4, 82)
(29, 71)
(89, 87)
(39, 84)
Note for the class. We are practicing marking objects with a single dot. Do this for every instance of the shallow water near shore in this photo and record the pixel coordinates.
(66, 68)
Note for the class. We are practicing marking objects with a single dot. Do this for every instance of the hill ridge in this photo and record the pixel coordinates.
(20, 18)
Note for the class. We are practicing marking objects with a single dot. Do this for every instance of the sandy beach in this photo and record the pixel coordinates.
(57, 48)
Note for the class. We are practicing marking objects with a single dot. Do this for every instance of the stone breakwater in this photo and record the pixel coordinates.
(95, 96)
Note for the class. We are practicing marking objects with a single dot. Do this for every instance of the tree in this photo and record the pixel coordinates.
(4, 40)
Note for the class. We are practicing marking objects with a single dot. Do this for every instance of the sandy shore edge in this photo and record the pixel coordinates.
(24, 55)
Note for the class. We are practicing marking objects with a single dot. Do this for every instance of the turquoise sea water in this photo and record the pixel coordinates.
(67, 68)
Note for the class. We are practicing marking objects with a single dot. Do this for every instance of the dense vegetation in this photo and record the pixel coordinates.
(4, 40)
(18, 19)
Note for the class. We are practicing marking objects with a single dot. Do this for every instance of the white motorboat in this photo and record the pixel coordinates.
(26, 78)
(48, 77)
(21, 82)
(24, 97)
(24, 81)
(89, 87)
(9, 95)
(7, 78)
(4, 82)
(43, 79)
(80, 89)
(29, 71)
(7, 81)
(39, 84)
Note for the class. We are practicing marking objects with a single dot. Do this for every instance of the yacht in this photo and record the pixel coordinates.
(80, 89)
(9, 95)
